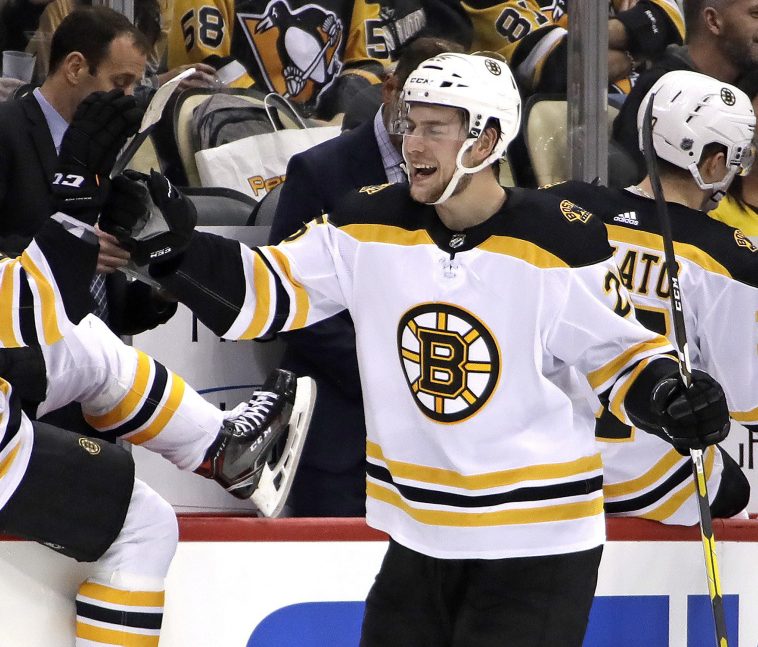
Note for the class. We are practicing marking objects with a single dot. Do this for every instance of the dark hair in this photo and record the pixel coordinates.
(90, 31)
(415, 52)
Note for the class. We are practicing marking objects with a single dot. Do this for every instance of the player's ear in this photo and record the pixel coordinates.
(485, 143)
(713, 166)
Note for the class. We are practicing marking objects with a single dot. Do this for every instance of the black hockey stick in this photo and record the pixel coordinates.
(685, 368)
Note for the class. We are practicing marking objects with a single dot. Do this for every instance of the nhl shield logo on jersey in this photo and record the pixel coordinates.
(296, 50)
(450, 359)
(744, 241)
(574, 213)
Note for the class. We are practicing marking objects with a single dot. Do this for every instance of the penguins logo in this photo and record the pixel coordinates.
(450, 359)
(296, 50)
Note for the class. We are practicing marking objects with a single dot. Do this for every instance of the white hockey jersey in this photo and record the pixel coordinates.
(718, 274)
(42, 293)
(480, 442)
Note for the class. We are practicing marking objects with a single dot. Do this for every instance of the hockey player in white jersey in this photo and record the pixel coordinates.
(703, 136)
(479, 313)
(79, 495)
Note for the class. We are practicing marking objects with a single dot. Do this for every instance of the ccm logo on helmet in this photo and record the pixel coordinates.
(418, 80)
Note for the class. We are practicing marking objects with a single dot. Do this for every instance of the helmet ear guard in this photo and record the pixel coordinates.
(691, 111)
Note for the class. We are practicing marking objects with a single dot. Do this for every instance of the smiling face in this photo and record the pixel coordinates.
(432, 137)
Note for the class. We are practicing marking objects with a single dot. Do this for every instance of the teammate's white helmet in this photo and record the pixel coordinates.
(482, 86)
(692, 110)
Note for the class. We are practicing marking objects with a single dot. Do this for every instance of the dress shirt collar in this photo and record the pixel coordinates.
(392, 160)
(55, 122)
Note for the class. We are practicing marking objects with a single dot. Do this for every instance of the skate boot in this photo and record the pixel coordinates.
(258, 448)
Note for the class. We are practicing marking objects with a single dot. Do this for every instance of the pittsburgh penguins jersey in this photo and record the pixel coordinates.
(718, 274)
(480, 440)
(42, 293)
(293, 48)
(532, 36)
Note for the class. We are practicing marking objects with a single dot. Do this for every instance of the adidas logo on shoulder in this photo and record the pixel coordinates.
(627, 218)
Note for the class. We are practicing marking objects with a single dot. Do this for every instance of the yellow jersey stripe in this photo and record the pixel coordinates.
(129, 403)
(302, 302)
(523, 250)
(618, 400)
(674, 15)
(653, 475)
(605, 373)
(8, 337)
(119, 596)
(503, 478)
(166, 411)
(6, 463)
(262, 299)
(745, 416)
(655, 241)
(50, 328)
(545, 514)
(387, 234)
(671, 505)
(114, 637)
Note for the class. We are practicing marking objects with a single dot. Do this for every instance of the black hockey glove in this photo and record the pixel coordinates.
(148, 216)
(100, 127)
(694, 417)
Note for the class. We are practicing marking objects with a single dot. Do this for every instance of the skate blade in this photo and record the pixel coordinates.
(270, 497)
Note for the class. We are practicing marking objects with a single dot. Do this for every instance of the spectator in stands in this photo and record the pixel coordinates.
(533, 38)
(722, 42)
(739, 207)
(331, 478)
(330, 53)
(151, 17)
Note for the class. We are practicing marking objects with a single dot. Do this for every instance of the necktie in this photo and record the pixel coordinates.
(97, 290)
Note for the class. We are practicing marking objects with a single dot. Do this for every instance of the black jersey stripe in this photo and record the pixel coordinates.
(13, 415)
(652, 496)
(138, 619)
(535, 493)
(282, 299)
(26, 311)
(154, 398)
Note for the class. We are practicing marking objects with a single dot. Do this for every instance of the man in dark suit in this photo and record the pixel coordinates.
(331, 478)
(94, 48)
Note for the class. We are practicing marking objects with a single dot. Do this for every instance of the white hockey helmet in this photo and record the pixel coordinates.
(692, 110)
(480, 85)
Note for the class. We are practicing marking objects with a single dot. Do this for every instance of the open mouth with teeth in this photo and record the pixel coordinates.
(420, 171)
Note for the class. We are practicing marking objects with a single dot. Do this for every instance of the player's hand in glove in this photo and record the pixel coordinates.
(100, 127)
(148, 216)
(694, 417)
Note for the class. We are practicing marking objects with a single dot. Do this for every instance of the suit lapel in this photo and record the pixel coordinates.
(40, 135)
(366, 167)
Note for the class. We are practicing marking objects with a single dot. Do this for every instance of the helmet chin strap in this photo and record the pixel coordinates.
(718, 188)
(461, 170)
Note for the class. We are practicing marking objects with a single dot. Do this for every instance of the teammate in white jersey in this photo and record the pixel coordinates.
(480, 315)
(703, 132)
(79, 495)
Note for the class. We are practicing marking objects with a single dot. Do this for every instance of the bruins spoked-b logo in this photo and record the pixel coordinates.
(90, 446)
(450, 359)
